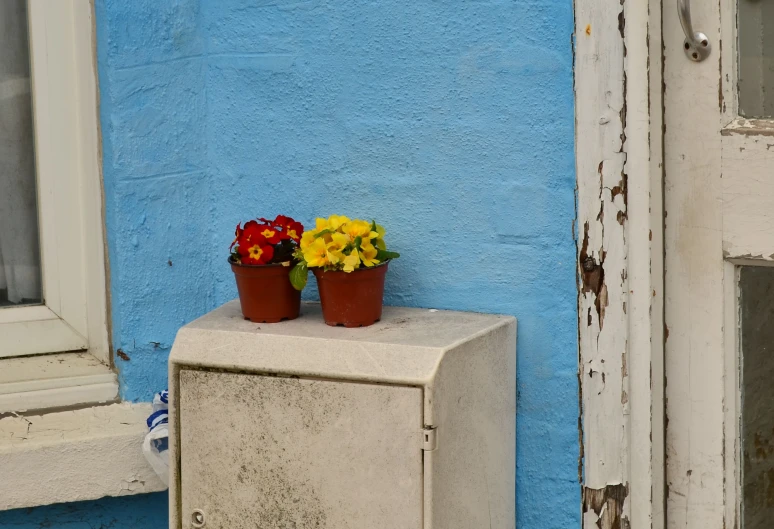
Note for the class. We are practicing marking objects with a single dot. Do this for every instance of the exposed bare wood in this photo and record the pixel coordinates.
(604, 507)
(749, 127)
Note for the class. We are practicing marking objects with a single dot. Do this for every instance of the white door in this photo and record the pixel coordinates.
(263, 451)
(719, 278)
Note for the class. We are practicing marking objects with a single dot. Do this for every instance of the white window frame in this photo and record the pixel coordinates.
(73, 317)
(63, 85)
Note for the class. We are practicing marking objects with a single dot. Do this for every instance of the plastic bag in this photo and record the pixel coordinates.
(156, 444)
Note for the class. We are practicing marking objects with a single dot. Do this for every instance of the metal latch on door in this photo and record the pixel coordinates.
(429, 438)
(696, 46)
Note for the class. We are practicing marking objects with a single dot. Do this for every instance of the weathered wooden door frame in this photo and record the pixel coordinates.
(620, 228)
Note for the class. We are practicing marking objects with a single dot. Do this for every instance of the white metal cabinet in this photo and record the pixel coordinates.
(408, 424)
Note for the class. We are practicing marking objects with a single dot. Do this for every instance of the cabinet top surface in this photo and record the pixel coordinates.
(405, 346)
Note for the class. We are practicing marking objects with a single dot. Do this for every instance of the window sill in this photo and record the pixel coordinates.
(55, 381)
(74, 456)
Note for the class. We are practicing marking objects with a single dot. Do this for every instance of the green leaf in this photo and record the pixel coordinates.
(323, 232)
(298, 276)
(380, 244)
(383, 255)
(358, 241)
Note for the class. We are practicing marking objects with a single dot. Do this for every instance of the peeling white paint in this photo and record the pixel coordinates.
(600, 121)
(618, 152)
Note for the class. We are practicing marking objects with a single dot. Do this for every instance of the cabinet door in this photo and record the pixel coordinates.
(269, 452)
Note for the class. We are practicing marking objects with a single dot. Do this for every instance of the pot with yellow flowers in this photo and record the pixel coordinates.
(349, 258)
(262, 257)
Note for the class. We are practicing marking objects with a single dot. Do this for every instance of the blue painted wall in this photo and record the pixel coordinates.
(449, 122)
(147, 511)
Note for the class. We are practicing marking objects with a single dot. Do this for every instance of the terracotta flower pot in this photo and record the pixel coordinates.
(265, 292)
(352, 299)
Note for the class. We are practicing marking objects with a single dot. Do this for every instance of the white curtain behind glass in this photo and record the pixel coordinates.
(19, 247)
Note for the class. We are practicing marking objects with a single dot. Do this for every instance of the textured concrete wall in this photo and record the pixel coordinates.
(449, 122)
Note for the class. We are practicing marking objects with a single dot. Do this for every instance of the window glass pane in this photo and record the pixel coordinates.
(20, 280)
(757, 343)
(756, 58)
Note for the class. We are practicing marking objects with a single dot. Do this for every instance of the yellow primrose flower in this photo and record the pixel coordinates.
(336, 221)
(368, 255)
(306, 239)
(316, 253)
(334, 256)
(339, 241)
(352, 261)
(336, 247)
(321, 225)
(359, 228)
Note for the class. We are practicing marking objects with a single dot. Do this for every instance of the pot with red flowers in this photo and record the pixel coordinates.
(349, 258)
(262, 257)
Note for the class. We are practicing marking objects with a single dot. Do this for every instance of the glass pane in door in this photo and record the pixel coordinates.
(20, 276)
(756, 58)
(756, 287)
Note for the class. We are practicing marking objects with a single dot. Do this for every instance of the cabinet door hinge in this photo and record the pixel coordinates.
(429, 438)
